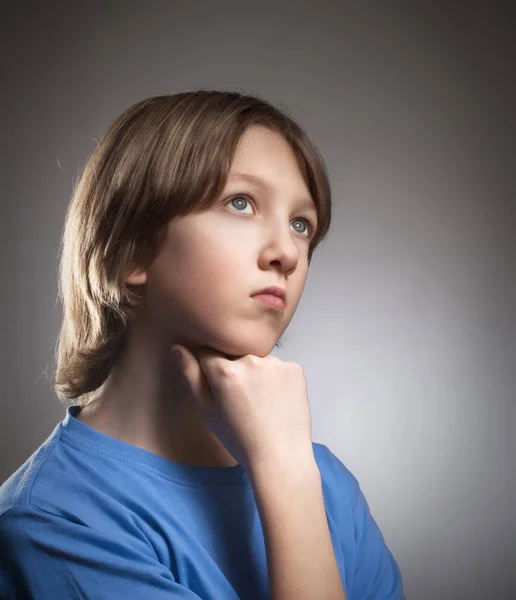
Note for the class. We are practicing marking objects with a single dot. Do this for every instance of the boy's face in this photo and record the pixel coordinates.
(198, 289)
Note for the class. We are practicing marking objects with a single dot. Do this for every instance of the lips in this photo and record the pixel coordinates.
(273, 291)
(271, 301)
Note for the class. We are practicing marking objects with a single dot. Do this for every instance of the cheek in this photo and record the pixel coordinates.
(189, 277)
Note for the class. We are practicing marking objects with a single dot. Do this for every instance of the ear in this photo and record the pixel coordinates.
(136, 277)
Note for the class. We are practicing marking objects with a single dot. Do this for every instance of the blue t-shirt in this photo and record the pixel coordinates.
(90, 517)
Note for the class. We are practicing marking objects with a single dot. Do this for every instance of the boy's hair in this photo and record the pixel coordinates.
(163, 157)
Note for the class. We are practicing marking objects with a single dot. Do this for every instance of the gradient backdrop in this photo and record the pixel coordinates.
(406, 329)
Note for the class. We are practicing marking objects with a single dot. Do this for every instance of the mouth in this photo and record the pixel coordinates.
(271, 301)
(274, 297)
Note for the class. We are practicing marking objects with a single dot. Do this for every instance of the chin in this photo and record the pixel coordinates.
(236, 349)
(235, 338)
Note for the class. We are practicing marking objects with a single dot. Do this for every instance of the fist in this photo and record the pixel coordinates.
(257, 407)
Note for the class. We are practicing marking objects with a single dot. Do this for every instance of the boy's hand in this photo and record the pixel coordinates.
(257, 407)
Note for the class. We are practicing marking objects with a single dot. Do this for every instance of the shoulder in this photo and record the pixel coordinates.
(332, 466)
(338, 481)
(59, 483)
(17, 488)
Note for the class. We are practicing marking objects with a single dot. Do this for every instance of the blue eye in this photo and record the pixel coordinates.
(308, 218)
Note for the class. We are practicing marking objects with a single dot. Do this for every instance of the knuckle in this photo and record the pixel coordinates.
(294, 365)
(224, 369)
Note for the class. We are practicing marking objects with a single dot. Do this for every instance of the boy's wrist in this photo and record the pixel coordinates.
(297, 467)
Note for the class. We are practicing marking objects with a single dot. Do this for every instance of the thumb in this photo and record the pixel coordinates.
(191, 371)
(182, 359)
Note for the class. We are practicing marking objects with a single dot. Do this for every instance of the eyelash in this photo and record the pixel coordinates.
(308, 218)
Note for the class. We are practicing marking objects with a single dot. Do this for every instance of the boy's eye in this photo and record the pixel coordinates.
(242, 198)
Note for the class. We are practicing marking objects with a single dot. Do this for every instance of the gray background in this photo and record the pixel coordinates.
(406, 327)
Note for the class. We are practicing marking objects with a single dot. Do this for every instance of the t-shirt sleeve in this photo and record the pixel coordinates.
(44, 557)
(377, 575)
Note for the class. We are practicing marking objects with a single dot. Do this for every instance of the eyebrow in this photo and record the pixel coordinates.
(305, 202)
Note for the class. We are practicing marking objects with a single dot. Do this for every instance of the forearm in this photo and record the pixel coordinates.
(301, 561)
